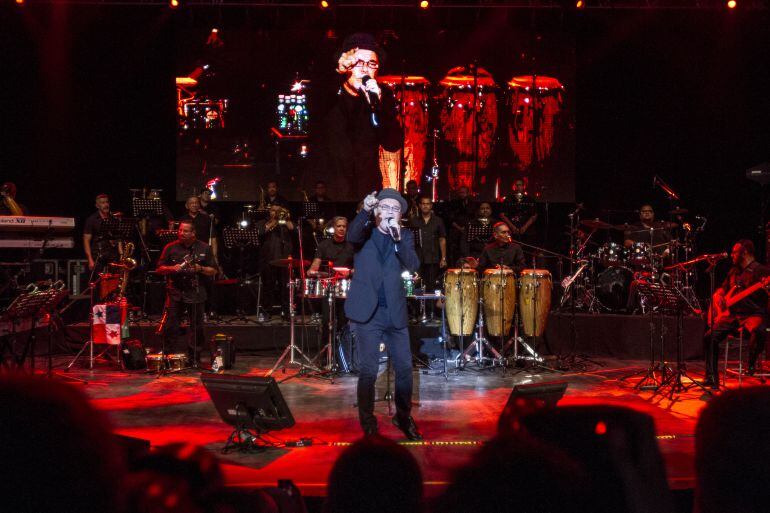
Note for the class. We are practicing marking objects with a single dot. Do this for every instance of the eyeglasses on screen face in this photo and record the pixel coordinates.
(368, 64)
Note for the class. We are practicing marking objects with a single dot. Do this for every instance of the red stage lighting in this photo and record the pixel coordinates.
(732, 4)
(424, 4)
(580, 4)
(19, 2)
(173, 4)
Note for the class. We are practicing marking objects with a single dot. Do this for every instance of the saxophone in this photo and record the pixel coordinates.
(126, 263)
(11, 204)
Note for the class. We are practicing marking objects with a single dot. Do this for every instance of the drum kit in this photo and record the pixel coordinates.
(493, 305)
(468, 104)
(604, 277)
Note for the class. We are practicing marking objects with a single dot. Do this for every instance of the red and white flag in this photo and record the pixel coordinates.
(107, 323)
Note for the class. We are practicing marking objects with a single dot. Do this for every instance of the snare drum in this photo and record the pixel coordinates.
(341, 287)
(462, 295)
(534, 300)
(499, 291)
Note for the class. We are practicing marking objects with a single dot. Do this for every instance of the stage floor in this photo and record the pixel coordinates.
(456, 414)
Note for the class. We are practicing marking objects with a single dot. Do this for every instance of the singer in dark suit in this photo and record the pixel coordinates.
(361, 118)
(376, 304)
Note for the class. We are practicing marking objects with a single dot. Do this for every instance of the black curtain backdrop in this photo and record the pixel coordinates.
(88, 100)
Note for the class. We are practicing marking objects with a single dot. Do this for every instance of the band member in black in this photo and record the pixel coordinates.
(273, 197)
(502, 252)
(186, 262)
(276, 239)
(324, 210)
(475, 246)
(640, 232)
(412, 197)
(362, 119)
(376, 304)
(334, 252)
(461, 211)
(202, 221)
(99, 250)
(749, 313)
(519, 210)
(431, 246)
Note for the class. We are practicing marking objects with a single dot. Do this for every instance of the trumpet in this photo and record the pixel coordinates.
(283, 215)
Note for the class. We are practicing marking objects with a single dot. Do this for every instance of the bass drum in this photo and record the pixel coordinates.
(462, 296)
(613, 287)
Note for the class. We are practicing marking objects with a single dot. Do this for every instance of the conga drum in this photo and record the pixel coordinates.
(543, 104)
(457, 100)
(411, 94)
(534, 300)
(462, 296)
(499, 292)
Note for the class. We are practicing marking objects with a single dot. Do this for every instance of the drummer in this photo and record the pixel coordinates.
(640, 232)
(336, 251)
(502, 251)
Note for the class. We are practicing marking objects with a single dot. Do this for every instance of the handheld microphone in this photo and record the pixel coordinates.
(394, 230)
(371, 98)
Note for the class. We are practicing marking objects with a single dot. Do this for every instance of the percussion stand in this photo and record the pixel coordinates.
(292, 350)
(480, 342)
(331, 366)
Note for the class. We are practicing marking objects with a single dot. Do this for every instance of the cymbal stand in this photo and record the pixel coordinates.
(327, 351)
(292, 350)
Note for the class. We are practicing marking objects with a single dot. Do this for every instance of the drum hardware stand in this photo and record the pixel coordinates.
(292, 350)
(443, 339)
(480, 342)
(331, 368)
(657, 372)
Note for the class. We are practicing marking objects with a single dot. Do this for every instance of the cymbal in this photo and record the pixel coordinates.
(289, 262)
(342, 271)
(318, 274)
(678, 211)
(595, 224)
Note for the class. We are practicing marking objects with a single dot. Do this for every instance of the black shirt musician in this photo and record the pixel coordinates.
(431, 244)
(477, 232)
(502, 252)
(362, 119)
(750, 313)
(461, 211)
(276, 239)
(274, 197)
(519, 210)
(186, 263)
(640, 232)
(336, 252)
(100, 250)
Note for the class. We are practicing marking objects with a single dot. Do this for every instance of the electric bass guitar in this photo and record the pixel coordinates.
(733, 297)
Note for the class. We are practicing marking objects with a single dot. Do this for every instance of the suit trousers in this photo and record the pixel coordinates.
(369, 335)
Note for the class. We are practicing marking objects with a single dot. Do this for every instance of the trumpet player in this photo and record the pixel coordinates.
(183, 262)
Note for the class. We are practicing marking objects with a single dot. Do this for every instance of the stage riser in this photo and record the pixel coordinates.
(623, 336)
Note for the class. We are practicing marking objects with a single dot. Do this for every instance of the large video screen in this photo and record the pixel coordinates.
(475, 107)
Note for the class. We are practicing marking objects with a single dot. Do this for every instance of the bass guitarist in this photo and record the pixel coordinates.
(750, 313)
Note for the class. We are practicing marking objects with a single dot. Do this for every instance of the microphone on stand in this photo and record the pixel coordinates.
(715, 256)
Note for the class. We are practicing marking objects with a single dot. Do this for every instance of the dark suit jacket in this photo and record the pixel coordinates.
(373, 269)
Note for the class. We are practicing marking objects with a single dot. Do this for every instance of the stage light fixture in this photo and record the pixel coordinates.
(173, 4)
(424, 4)
(580, 4)
(324, 4)
(732, 4)
(19, 2)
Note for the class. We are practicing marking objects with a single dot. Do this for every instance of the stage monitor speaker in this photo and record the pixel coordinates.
(248, 402)
(526, 399)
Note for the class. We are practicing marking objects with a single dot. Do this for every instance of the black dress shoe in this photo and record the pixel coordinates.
(710, 383)
(371, 430)
(408, 427)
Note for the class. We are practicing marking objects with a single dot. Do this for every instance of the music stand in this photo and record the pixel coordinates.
(242, 238)
(145, 207)
(311, 210)
(478, 233)
(166, 237)
(117, 228)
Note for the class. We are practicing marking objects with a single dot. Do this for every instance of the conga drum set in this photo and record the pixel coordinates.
(495, 305)
(467, 106)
